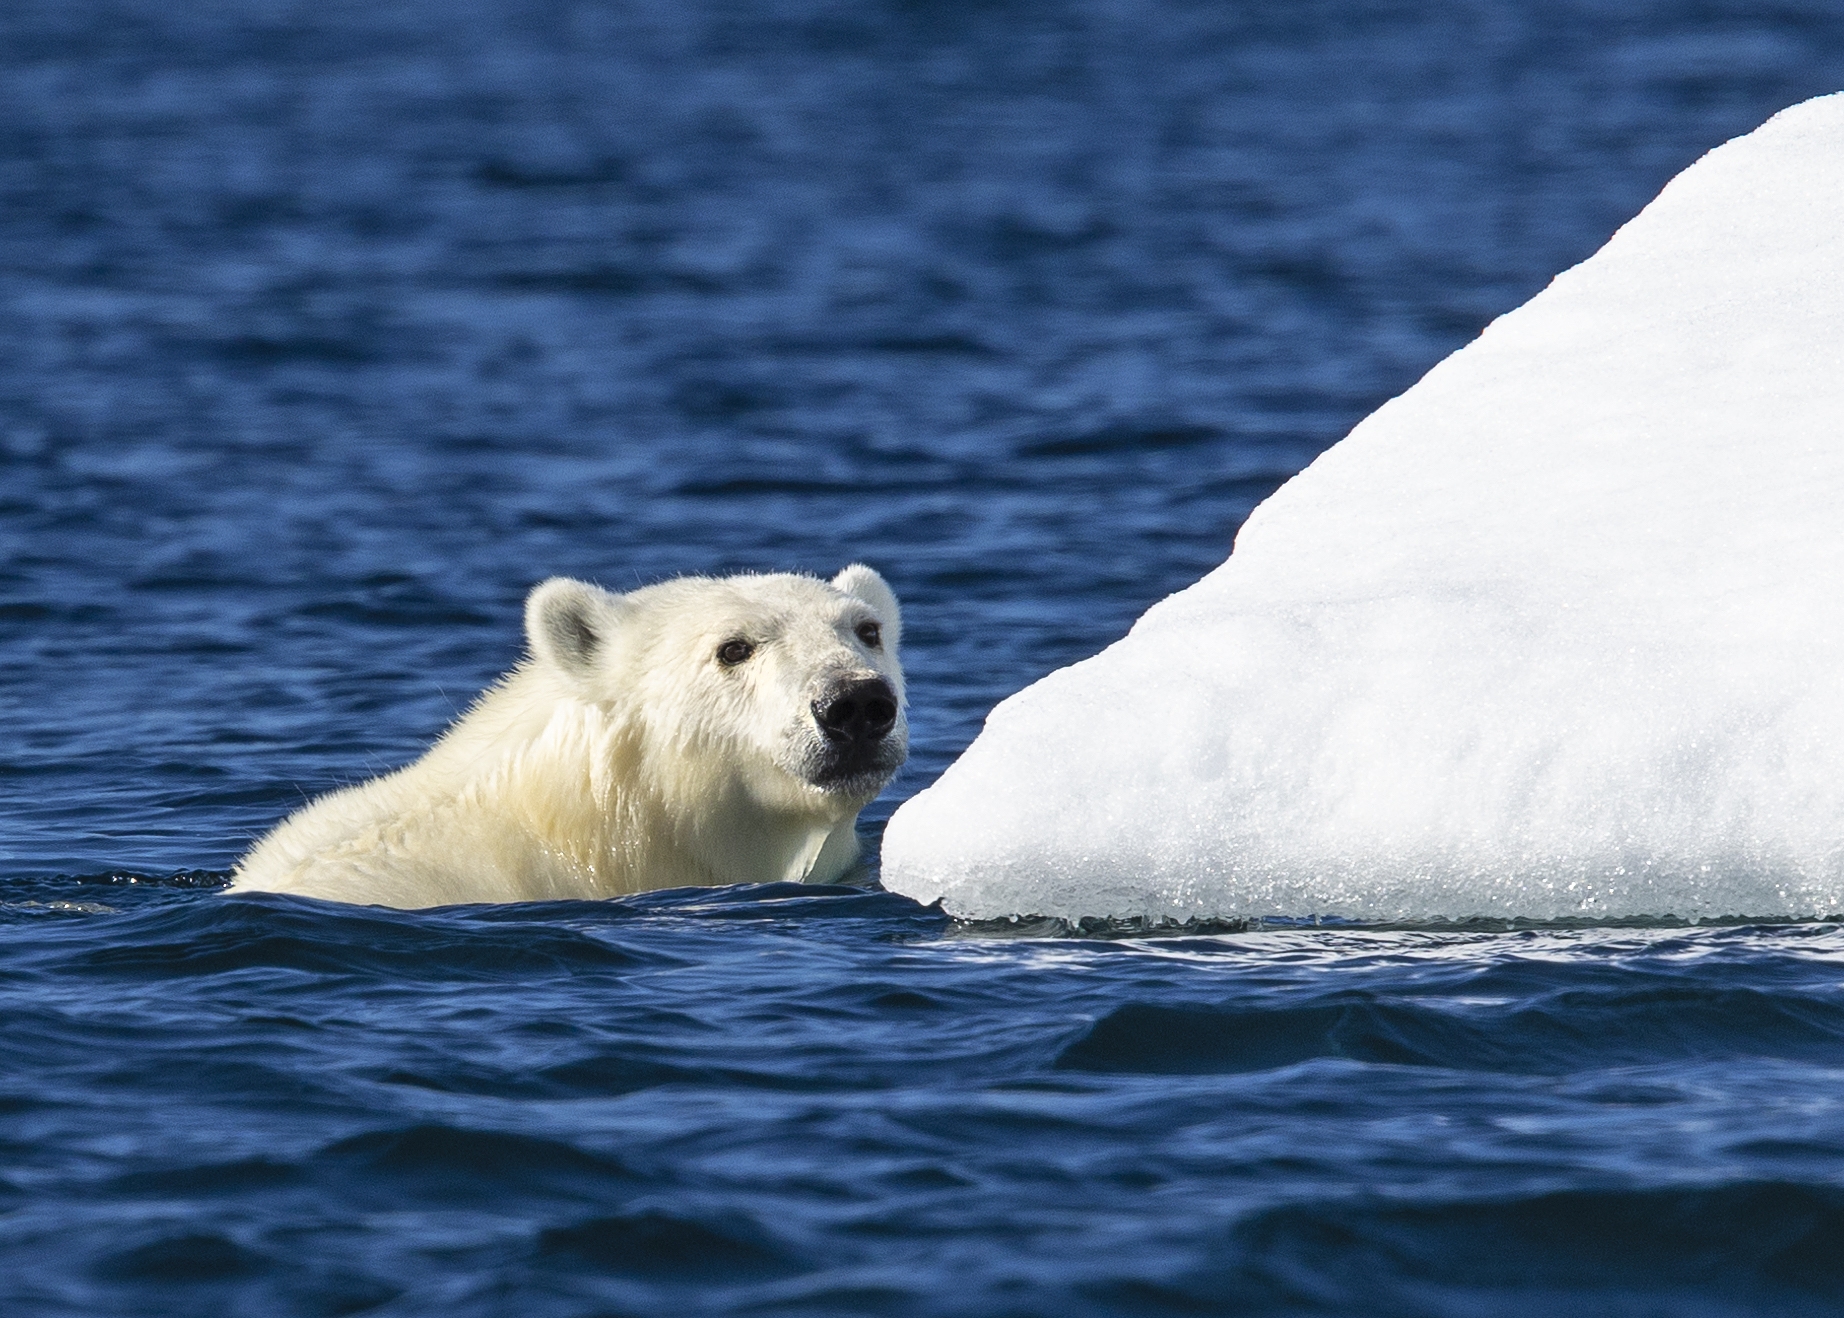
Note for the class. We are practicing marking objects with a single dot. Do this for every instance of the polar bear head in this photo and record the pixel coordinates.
(782, 687)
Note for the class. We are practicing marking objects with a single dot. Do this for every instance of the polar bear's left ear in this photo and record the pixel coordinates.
(863, 583)
(568, 623)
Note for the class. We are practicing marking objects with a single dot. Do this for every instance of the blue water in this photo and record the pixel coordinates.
(326, 329)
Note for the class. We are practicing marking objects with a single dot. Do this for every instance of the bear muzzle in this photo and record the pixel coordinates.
(855, 719)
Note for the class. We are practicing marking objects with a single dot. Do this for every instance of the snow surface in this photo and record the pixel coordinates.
(1557, 633)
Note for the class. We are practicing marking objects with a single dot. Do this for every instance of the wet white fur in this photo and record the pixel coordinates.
(620, 756)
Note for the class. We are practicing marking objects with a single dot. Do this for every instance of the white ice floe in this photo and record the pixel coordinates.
(1559, 632)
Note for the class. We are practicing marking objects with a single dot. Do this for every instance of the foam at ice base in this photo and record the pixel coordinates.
(1557, 633)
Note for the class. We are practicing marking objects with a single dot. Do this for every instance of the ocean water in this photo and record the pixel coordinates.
(327, 329)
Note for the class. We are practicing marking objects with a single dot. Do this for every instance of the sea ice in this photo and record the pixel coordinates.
(1557, 633)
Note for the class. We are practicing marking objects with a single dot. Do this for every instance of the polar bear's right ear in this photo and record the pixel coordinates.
(568, 623)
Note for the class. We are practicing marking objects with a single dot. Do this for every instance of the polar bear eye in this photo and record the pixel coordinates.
(871, 634)
(734, 651)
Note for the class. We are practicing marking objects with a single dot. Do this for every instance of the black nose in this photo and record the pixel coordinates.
(861, 711)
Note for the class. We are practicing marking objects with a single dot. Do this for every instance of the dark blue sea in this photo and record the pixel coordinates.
(326, 329)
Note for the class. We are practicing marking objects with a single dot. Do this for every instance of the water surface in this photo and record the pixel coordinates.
(326, 330)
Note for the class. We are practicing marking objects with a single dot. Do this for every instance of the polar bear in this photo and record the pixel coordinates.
(699, 731)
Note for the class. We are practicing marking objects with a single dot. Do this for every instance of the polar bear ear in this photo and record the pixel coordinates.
(568, 623)
(863, 583)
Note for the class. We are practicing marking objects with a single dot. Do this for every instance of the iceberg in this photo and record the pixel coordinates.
(1556, 634)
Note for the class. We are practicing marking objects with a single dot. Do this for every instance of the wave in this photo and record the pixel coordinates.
(1759, 1247)
(1567, 1030)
